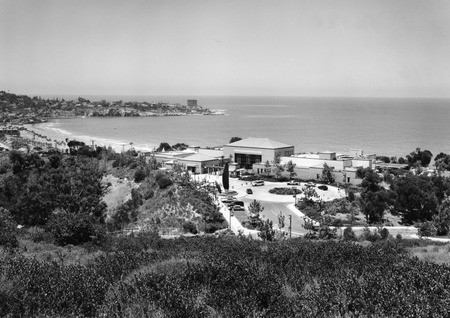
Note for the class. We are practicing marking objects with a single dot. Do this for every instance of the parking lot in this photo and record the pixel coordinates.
(274, 203)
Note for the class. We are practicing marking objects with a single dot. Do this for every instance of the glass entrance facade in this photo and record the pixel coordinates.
(246, 161)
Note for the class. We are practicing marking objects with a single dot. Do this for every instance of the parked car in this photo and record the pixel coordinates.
(323, 187)
(292, 182)
(227, 201)
(238, 208)
(258, 183)
(249, 191)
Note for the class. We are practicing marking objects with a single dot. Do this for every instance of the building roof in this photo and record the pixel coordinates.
(211, 152)
(198, 157)
(265, 143)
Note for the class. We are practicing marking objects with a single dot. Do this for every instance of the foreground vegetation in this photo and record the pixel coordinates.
(226, 277)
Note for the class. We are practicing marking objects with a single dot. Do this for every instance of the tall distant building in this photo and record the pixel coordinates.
(192, 102)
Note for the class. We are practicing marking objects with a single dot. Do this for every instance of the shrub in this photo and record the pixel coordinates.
(149, 194)
(75, 229)
(349, 235)
(327, 233)
(133, 165)
(384, 233)
(266, 231)
(285, 191)
(351, 196)
(163, 181)
(8, 229)
(427, 229)
(190, 227)
(139, 176)
(38, 234)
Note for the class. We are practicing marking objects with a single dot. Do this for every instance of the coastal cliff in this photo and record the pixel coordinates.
(22, 109)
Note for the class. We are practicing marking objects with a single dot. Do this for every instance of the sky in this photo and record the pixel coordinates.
(380, 48)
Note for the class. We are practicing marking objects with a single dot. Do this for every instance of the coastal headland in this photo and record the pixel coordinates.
(20, 112)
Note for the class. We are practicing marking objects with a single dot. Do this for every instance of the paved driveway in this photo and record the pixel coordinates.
(272, 203)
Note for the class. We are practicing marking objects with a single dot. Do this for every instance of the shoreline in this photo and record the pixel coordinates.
(43, 135)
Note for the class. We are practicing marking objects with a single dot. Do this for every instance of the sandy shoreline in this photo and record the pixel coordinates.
(60, 137)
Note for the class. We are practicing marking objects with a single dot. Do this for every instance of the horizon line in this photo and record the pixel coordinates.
(227, 95)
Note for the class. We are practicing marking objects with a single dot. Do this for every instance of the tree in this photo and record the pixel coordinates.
(281, 219)
(309, 195)
(278, 170)
(180, 146)
(255, 208)
(226, 177)
(442, 219)
(361, 172)
(416, 198)
(74, 146)
(75, 229)
(234, 139)
(442, 162)
(385, 159)
(374, 198)
(419, 157)
(267, 167)
(327, 174)
(290, 167)
(266, 231)
(164, 146)
(277, 158)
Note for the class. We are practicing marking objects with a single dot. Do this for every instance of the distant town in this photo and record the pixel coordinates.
(22, 109)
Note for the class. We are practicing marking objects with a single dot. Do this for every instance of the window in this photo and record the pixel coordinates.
(247, 161)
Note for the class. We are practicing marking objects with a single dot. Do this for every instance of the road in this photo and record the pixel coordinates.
(272, 211)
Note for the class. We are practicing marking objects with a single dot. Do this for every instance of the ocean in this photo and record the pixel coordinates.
(384, 126)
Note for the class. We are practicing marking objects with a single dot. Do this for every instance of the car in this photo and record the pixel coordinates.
(323, 187)
(293, 182)
(249, 191)
(258, 183)
(227, 201)
(238, 208)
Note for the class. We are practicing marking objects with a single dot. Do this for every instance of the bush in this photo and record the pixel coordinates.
(163, 181)
(149, 194)
(327, 233)
(351, 196)
(8, 229)
(427, 229)
(349, 235)
(384, 233)
(75, 229)
(190, 227)
(133, 165)
(139, 176)
(38, 235)
(285, 191)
